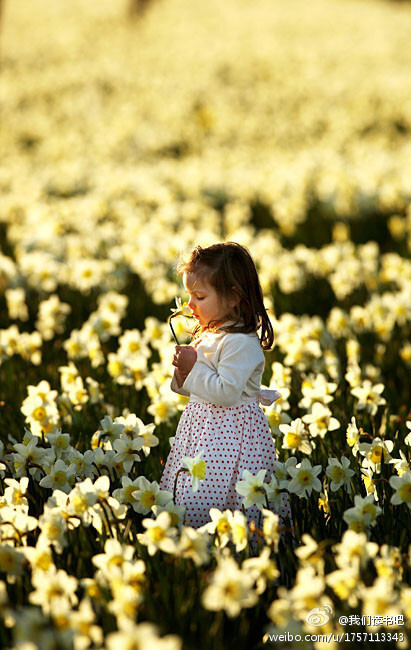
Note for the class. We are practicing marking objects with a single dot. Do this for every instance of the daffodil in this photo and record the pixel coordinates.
(159, 534)
(230, 588)
(181, 309)
(320, 420)
(375, 452)
(127, 451)
(363, 514)
(369, 396)
(193, 544)
(220, 525)
(353, 436)
(147, 494)
(253, 489)
(296, 437)
(402, 487)
(304, 478)
(340, 473)
(197, 469)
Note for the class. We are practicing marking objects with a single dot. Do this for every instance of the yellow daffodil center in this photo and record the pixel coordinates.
(60, 477)
(39, 413)
(405, 492)
(156, 533)
(337, 474)
(148, 499)
(376, 455)
(274, 418)
(199, 469)
(80, 503)
(304, 477)
(292, 439)
(223, 526)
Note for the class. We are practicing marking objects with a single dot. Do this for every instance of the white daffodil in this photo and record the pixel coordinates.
(239, 530)
(114, 557)
(220, 525)
(401, 464)
(230, 588)
(159, 534)
(127, 451)
(376, 452)
(11, 562)
(363, 514)
(125, 494)
(53, 590)
(81, 499)
(304, 478)
(53, 530)
(176, 512)
(381, 599)
(15, 493)
(344, 583)
(402, 487)
(274, 493)
(320, 420)
(367, 476)
(134, 427)
(149, 494)
(252, 488)
(110, 430)
(369, 396)
(60, 476)
(197, 469)
(340, 473)
(316, 389)
(181, 309)
(59, 441)
(295, 437)
(193, 544)
(271, 531)
(276, 417)
(143, 635)
(353, 436)
(262, 568)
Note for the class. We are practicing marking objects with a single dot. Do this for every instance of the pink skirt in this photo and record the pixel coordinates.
(232, 439)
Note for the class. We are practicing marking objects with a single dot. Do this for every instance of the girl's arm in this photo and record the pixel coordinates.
(239, 357)
(177, 384)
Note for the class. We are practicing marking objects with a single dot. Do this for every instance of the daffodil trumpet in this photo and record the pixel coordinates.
(181, 309)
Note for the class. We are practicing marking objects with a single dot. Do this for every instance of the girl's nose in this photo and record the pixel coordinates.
(190, 303)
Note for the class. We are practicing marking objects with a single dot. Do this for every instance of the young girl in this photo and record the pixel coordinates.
(221, 373)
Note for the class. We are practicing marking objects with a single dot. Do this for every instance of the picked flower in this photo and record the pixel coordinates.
(181, 309)
(196, 468)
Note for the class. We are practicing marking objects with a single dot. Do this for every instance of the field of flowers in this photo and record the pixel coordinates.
(124, 142)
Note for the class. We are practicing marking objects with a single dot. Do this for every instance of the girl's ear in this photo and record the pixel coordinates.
(235, 297)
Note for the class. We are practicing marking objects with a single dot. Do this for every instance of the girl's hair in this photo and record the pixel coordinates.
(229, 268)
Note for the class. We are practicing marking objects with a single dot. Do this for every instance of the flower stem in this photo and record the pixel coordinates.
(182, 469)
(173, 332)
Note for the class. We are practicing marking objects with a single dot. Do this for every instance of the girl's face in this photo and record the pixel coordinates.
(204, 302)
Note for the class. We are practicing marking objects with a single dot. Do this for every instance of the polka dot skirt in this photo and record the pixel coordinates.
(232, 439)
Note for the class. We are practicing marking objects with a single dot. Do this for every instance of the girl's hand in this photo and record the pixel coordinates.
(184, 359)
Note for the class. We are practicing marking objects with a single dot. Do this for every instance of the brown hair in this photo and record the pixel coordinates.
(229, 268)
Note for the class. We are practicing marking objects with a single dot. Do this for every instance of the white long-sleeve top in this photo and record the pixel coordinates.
(228, 368)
